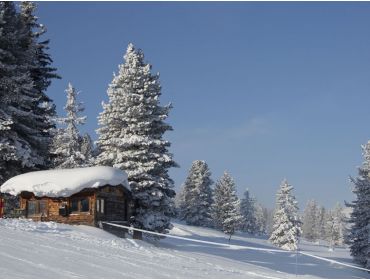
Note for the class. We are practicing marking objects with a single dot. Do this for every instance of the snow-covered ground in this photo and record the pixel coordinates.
(50, 250)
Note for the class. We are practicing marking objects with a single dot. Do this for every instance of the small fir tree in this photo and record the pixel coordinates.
(310, 216)
(334, 226)
(67, 144)
(247, 210)
(197, 195)
(260, 219)
(226, 207)
(321, 223)
(286, 224)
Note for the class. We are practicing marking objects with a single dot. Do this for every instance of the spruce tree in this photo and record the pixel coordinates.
(197, 195)
(25, 130)
(131, 131)
(286, 224)
(19, 134)
(334, 227)
(41, 73)
(310, 216)
(261, 219)
(321, 223)
(67, 145)
(358, 237)
(247, 210)
(226, 206)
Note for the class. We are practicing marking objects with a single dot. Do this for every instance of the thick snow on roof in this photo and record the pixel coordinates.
(64, 182)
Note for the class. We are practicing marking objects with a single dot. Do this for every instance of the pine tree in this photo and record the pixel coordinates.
(321, 223)
(67, 145)
(335, 226)
(180, 203)
(247, 210)
(226, 207)
(261, 222)
(24, 137)
(197, 195)
(18, 134)
(309, 227)
(87, 149)
(131, 132)
(41, 73)
(358, 237)
(286, 225)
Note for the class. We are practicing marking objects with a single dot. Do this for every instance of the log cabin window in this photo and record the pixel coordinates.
(74, 205)
(35, 207)
(43, 207)
(80, 204)
(85, 205)
(100, 205)
(32, 207)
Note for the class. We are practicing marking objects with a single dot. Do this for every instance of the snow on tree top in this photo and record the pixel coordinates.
(64, 182)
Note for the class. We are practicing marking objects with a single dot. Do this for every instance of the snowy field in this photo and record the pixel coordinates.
(50, 250)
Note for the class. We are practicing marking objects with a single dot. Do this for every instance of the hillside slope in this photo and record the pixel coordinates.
(50, 250)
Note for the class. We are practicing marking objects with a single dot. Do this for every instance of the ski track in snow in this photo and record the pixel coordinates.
(50, 250)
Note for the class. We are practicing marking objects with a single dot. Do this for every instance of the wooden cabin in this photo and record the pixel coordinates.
(75, 196)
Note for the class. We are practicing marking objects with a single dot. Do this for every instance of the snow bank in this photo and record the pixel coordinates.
(64, 182)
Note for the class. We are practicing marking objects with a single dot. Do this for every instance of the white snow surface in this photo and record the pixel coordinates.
(64, 182)
(49, 250)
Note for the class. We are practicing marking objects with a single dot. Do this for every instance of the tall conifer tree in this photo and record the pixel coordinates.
(131, 131)
(358, 237)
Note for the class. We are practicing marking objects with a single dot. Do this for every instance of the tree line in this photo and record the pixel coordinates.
(200, 204)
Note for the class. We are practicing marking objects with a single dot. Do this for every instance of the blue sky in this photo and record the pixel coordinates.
(264, 90)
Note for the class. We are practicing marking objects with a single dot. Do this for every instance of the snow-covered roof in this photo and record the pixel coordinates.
(64, 182)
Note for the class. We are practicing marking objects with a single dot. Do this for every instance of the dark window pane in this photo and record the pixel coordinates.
(74, 205)
(84, 205)
(44, 207)
(32, 207)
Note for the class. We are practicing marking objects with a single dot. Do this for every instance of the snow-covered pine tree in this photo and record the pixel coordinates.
(335, 226)
(286, 224)
(25, 130)
(358, 237)
(260, 219)
(226, 206)
(247, 210)
(87, 149)
(197, 195)
(180, 203)
(310, 216)
(67, 144)
(131, 131)
(19, 135)
(41, 73)
(321, 223)
(268, 216)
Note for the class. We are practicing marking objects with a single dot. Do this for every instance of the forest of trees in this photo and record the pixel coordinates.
(131, 130)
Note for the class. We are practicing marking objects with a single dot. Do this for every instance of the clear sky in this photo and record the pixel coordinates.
(262, 90)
